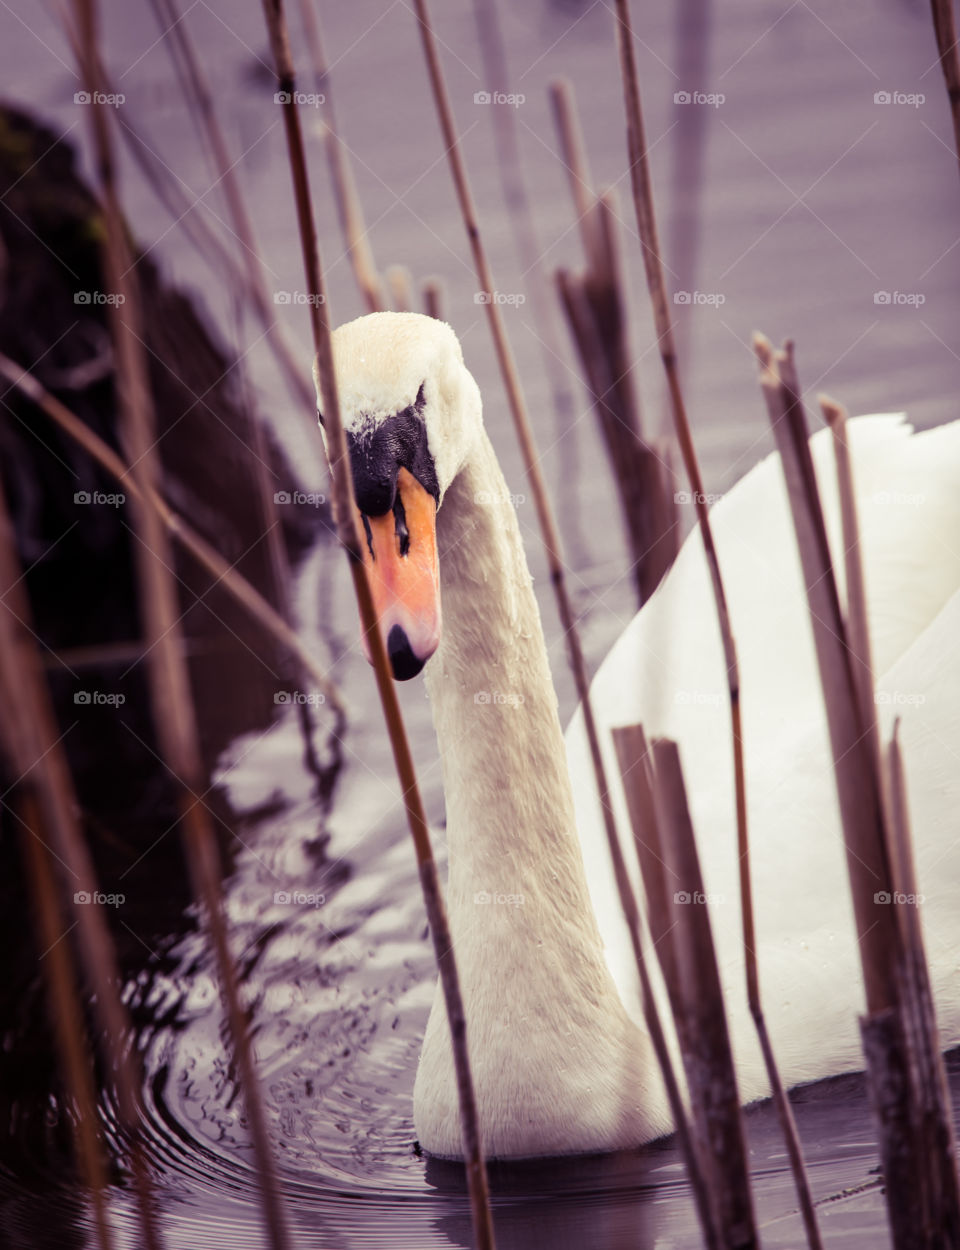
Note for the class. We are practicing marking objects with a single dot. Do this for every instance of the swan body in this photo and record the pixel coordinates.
(561, 1060)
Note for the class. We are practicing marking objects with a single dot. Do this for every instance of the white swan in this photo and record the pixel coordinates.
(561, 1061)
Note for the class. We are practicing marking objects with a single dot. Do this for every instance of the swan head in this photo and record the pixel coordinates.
(411, 413)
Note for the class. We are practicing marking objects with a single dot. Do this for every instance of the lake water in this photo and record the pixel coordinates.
(828, 212)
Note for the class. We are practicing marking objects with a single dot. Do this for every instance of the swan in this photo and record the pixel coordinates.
(561, 1059)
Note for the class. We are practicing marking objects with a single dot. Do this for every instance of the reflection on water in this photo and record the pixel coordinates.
(815, 200)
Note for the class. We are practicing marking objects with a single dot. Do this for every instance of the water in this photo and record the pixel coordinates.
(816, 201)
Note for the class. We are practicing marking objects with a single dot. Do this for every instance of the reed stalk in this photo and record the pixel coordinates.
(513, 185)
(346, 514)
(349, 208)
(931, 1138)
(66, 1015)
(635, 768)
(173, 712)
(573, 154)
(890, 1031)
(32, 743)
(945, 30)
(596, 312)
(244, 594)
(702, 1024)
(400, 286)
(432, 293)
(653, 266)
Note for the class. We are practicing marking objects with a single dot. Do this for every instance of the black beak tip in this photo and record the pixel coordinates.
(402, 659)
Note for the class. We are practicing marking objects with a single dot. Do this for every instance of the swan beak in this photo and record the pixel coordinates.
(402, 565)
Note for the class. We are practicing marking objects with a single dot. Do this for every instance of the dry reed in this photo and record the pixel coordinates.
(945, 30)
(173, 712)
(348, 528)
(66, 1014)
(653, 267)
(596, 313)
(638, 782)
(701, 1019)
(904, 1069)
(349, 209)
(516, 198)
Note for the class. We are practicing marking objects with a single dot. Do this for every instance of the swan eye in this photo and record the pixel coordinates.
(400, 524)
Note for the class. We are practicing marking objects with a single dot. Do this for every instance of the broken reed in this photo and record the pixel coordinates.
(667, 853)
(173, 712)
(596, 315)
(641, 185)
(904, 1067)
(348, 528)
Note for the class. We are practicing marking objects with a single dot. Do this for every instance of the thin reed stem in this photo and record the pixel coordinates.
(347, 519)
(513, 185)
(653, 267)
(173, 712)
(66, 1016)
(945, 30)
(349, 208)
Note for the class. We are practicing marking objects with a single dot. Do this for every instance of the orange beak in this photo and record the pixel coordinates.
(404, 572)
